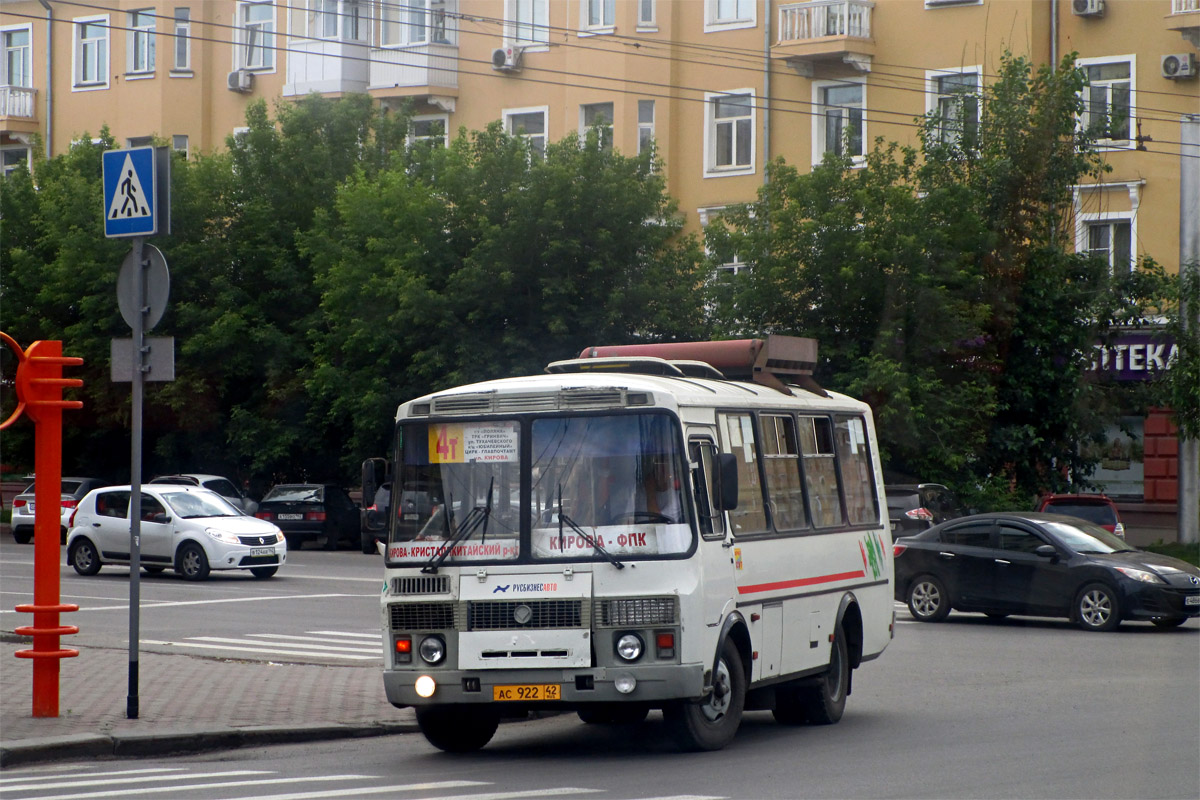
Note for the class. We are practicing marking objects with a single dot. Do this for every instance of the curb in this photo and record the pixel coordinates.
(170, 742)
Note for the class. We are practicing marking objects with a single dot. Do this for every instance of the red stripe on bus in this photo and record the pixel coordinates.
(770, 587)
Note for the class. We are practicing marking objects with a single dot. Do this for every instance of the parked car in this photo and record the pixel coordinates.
(375, 518)
(23, 507)
(1095, 508)
(184, 528)
(1046, 565)
(918, 506)
(215, 483)
(311, 511)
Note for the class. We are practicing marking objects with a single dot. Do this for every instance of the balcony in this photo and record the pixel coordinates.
(825, 31)
(326, 66)
(18, 109)
(1185, 18)
(429, 70)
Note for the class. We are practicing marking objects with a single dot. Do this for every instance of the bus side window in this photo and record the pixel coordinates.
(702, 453)
(820, 471)
(750, 516)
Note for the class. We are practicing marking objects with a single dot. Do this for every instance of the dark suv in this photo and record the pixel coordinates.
(914, 507)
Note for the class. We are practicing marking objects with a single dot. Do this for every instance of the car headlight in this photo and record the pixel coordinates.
(432, 649)
(1142, 575)
(629, 647)
(222, 536)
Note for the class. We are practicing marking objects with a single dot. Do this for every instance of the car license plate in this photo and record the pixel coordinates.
(1192, 600)
(262, 551)
(528, 691)
(290, 516)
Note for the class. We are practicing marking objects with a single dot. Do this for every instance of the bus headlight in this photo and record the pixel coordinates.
(425, 686)
(630, 647)
(432, 649)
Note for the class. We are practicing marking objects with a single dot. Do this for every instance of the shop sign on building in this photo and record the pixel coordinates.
(1134, 356)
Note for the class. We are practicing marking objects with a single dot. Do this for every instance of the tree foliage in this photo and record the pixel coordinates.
(938, 281)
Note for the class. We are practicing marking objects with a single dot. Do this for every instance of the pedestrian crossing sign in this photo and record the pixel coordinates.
(130, 192)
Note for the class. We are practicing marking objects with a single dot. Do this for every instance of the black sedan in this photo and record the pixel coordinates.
(1045, 565)
(311, 511)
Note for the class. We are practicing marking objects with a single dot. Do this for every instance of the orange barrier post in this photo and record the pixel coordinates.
(39, 394)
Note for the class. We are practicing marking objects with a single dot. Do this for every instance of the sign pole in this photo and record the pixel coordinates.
(135, 478)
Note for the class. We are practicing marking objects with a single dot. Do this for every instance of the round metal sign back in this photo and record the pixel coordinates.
(158, 287)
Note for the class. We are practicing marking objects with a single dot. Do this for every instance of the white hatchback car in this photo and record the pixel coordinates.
(184, 528)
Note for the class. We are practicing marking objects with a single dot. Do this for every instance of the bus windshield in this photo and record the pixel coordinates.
(600, 487)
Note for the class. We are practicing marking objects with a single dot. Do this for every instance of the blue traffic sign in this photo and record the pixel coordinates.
(130, 192)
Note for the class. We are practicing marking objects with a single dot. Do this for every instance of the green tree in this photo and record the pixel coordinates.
(940, 286)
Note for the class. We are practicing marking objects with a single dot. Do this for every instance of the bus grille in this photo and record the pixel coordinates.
(499, 615)
(636, 612)
(422, 584)
(421, 616)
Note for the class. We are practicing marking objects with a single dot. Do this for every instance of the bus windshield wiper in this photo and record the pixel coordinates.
(587, 537)
(476, 517)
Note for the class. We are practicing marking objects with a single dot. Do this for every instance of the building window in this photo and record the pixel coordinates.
(415, 22)
(139, 141)
(597, 15)
(645, 125)
(647, 15)
(179, 143)
(839, 120)
(141, 40)
(1108, 99)
(733, 263)
(727, 14)
(1112, 241)
(954, 105)
(600, 117)
(13, 157)
(729, 133)
(256, 35)
(428, 131)
(91, 52)
(528, 124)
(17, 58)
(183, 39)
(527, 21)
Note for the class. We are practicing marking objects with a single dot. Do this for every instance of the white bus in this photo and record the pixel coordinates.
(639, 528)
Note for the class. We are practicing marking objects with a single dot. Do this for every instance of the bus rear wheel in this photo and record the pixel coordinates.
(457, 729)
(711, 724)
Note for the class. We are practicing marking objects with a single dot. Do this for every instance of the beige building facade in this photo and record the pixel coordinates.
(720, 86)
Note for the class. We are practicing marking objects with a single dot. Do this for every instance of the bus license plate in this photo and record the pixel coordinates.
(262, 551)
(528, 691)
(289, 516)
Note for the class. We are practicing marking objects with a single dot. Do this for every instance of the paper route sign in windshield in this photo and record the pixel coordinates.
(458, 443)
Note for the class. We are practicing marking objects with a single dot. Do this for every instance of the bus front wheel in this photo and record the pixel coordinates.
(711, 724)
(457, 729)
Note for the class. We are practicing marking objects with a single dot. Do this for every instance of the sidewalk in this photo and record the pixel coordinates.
(185, 704)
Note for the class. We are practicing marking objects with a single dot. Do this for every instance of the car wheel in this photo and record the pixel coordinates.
(83, 557)
(457, 729)
(927, 599)
(826, 702)
(22, 537)
(191, 562)
(1097, 608)
(62, 535)
(368, 543)
(1168, 622)
(264, 572)
(711, 724)
(153, 570)
(331, 541)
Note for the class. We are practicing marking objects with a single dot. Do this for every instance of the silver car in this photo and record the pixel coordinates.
(24, 505)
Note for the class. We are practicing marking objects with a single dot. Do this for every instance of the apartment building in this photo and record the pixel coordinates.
(721, 86)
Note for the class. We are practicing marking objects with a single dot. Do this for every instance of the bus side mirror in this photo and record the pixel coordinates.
(726, 495)
(374, 473)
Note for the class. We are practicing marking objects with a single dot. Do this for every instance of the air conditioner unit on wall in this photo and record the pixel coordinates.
(1087, 8)
(1179, 65)
(507, 59)
(241, 80)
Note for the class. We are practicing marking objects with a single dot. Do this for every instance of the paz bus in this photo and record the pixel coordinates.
(692, 528)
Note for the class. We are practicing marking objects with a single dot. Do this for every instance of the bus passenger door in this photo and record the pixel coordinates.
(716, 543)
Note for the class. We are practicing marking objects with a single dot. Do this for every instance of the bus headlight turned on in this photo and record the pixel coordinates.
(432, 649)
(630, 647)
(425, 686)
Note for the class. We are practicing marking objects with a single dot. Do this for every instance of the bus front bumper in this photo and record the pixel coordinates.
(652, 684)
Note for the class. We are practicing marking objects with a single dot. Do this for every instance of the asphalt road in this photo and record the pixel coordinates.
(968, 708)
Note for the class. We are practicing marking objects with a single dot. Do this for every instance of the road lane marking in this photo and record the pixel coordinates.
(267, 650)
(180, 603)
(76, 783)
(199, 786)
(376, 790)
(41, 779)
(301, 648)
